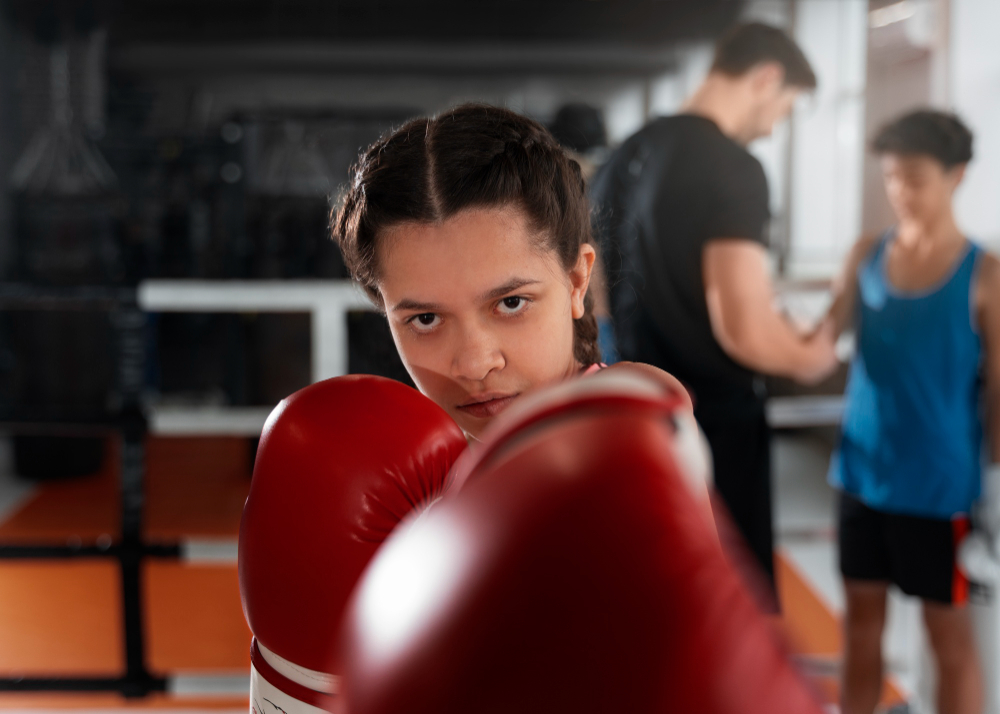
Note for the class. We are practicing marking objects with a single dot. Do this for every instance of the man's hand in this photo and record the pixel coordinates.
(823, 341)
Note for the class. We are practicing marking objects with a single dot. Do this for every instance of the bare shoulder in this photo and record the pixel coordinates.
(669, 382)
(988, 286)
(989, 273)
(862, 247)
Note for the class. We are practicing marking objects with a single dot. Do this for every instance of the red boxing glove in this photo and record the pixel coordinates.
(610, 387)
(340, 463)
(574, 572)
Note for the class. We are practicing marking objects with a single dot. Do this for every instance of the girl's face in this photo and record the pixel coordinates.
(481, 312)
(919, 187)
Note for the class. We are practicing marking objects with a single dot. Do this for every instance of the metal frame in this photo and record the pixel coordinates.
(130, 423)
(328, 303)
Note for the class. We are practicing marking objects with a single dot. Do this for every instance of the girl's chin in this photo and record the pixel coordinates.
(473, 432)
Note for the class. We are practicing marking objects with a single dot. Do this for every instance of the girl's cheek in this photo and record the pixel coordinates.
(409, 348)
(431, 351)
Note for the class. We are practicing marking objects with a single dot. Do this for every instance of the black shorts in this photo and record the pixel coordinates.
(916, 554)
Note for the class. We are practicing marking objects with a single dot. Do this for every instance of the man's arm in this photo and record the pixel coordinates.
(740, 299)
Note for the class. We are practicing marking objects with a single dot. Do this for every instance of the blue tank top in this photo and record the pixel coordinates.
(911, 437)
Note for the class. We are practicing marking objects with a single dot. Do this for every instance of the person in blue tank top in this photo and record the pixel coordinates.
(924, 302)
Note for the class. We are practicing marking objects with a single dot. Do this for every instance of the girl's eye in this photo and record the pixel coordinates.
(512, 305)
(425, 321)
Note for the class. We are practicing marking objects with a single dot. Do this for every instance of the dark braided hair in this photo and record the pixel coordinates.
(473, 156)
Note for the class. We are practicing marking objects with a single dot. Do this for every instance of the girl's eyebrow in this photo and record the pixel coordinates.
(511, 285)
(408, 304)
(507, 287)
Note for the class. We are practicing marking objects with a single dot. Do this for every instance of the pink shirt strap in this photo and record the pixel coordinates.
(596, 367)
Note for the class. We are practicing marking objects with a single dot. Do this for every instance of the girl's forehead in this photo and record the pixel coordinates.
(471, 248)
(468, 230)
(911, 163)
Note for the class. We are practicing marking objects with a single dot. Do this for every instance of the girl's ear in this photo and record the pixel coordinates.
(957, 174)
(579, 278)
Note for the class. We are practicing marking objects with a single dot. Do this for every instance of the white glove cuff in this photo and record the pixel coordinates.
(278, 686)
(991, 482)
(976, 560)
(317, 681)
(986, 514)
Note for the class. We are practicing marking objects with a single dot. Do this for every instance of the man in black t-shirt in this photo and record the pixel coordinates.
(681, 210)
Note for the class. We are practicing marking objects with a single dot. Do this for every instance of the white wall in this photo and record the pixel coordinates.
(625, 112)
(668, 93)
(828, 137)
(975, 95)
(773, 12)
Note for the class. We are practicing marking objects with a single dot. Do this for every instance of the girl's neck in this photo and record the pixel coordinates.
(929, 235)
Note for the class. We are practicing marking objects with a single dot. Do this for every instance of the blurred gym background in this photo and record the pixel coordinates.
(166, 275)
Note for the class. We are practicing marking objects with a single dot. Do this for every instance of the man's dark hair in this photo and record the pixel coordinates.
(745, 46)
(940, 135)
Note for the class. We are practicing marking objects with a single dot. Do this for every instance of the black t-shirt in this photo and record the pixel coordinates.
(675, 185)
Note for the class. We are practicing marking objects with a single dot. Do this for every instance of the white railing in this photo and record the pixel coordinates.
(326, 301)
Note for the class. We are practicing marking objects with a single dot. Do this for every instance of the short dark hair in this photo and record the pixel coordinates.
(747, 45)
(579, 127)
(472, 156)
(940, 135)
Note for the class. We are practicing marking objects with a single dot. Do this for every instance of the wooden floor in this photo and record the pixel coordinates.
(63, 617)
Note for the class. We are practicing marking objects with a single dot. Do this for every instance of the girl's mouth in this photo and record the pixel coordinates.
(487, 405)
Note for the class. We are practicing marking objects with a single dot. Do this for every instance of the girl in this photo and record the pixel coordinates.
(471, 231)
(925, 302)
